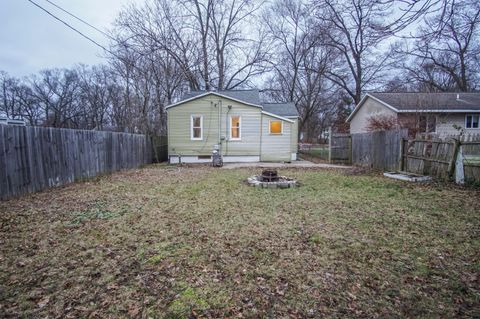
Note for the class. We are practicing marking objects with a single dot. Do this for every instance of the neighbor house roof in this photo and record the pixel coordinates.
(430, 101)
(250, 97)
(425, 102)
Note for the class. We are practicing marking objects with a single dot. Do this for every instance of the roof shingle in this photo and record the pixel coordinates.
(282, 109)
(251, 97)
(430, 101)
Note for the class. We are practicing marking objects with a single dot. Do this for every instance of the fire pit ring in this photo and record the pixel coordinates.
(269, 175)
(270, 179)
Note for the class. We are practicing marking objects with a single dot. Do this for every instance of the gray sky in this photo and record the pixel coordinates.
(31, 40)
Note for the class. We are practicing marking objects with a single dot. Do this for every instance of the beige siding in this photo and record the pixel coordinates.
(180, 142)
(446, 123)
(275, 147)
(359, 122)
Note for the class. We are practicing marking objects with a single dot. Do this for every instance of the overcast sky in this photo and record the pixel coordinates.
(31, 40)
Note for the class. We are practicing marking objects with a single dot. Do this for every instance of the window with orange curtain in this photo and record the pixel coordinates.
(275, 127)
(235, 123)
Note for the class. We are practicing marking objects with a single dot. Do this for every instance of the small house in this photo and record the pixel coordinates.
(235, 123)
(444, 114)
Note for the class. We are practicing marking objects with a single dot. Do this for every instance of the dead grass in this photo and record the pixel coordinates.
(167, 242)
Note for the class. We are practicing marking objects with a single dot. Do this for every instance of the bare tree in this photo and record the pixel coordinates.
(300, 64)
(209, 40)
(446, 50)
(357, 31)
(56, 92)
(8, 100)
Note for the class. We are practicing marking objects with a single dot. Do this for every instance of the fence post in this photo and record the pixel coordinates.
(330, 144)
(402, 159)
(451, 165)
(350, 147)
(459, 170)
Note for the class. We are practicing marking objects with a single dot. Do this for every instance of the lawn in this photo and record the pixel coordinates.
(167, 242)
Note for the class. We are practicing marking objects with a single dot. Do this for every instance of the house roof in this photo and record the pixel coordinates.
(250, 97)
(282, 109)
(198, 94)
(430, 101)
(425, 102)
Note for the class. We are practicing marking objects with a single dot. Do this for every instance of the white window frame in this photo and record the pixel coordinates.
(191, 128)
(270, 127)
(478, 121)
(239, 138)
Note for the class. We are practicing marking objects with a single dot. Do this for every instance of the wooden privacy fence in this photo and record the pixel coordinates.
(467, 164)
(434, 157)
(34, 158)
(455, 156)
(378, 150)
(393, 151)
(340, 148)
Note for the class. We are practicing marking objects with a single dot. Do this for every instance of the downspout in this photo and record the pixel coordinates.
(261, 136)
(219, 104)
(227, 130)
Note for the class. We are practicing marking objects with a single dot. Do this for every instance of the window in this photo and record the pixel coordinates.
(427, 124)
(196, 123)
(472, 120)
(235, 127)
(275, 127)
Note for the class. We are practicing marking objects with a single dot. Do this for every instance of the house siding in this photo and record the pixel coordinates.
(294, 136)
(179, 128)
(371, 107)
(446, 123)
(276, 147)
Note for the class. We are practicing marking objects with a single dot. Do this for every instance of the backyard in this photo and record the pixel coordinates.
(317, 153)
(180, 242)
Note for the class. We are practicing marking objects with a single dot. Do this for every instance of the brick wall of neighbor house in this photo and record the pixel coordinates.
(446, 122)
(370, 107)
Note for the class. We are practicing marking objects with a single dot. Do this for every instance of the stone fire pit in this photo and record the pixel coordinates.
(271, 179)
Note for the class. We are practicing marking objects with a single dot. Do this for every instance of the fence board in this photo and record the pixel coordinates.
(433, 157)
(34, 158)
(470, 148)
(378, 150)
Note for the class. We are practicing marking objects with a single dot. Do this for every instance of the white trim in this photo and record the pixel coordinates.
(278, 117)
(270, 127)
(192, 138)
(293, 156)
(241, 159)
(174, 159)
(362, 101)
(213, 93)
(478, 121)
(239, 138)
